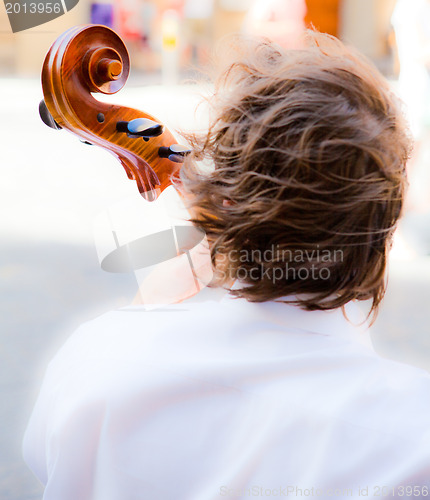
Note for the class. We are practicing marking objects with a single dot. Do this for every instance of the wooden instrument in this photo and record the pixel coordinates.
(90, 59)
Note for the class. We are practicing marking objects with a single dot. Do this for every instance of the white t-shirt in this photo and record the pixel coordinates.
(228, 399)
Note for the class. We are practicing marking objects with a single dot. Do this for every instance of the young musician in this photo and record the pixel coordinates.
(272, 388)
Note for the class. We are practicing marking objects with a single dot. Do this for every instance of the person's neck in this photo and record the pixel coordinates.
(177, 279)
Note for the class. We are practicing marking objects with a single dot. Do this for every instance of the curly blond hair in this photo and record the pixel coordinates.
(309, 149)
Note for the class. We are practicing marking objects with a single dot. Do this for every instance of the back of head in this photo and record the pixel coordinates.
(309, 150)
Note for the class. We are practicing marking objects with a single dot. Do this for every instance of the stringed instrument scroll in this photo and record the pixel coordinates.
(90, 59)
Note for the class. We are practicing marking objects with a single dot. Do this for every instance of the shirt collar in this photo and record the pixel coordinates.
(349, 323)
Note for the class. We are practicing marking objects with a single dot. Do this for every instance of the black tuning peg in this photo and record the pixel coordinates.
(175, 152)
(46, 116)
(140, 127)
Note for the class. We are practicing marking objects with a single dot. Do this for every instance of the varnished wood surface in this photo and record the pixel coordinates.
(93, 58)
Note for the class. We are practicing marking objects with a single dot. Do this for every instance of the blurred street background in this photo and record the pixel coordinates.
(52, 186)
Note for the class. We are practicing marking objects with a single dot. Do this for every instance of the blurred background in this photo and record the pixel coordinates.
(52, 186)
(191, 28)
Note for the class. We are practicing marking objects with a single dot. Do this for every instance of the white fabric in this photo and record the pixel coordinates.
(227, 399)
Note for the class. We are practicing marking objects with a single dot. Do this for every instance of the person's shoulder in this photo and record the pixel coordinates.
(387, 402)
(138, 329)
(394, 408)
(405, 390)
